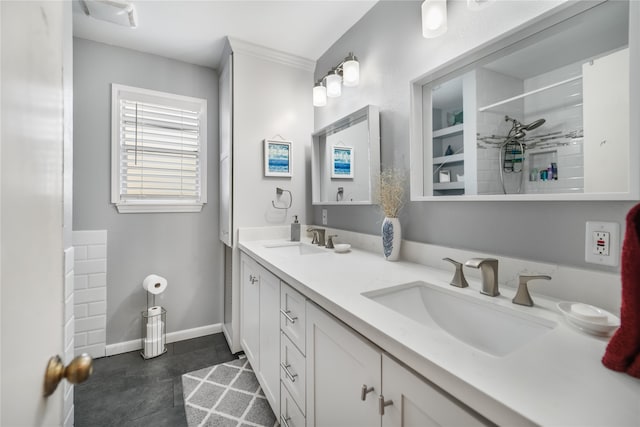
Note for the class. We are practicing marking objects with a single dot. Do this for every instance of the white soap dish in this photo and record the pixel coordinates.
(342, 247)
(588, 312)
(589, 319)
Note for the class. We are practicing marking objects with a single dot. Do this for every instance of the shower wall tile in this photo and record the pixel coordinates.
(90, 284)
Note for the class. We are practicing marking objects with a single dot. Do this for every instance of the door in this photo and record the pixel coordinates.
(250, 310)
(31, 208)
(269, 370)
(417, 403)
(339, 364)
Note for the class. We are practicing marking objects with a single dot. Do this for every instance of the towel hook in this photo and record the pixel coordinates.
(279, 192)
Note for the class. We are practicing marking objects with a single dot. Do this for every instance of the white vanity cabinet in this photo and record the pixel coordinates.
(260, 325)
(339, 364)
(349, 379)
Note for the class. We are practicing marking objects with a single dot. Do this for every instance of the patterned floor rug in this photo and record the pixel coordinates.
(226, 395)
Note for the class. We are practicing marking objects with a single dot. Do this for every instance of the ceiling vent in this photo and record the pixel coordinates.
(120, 12)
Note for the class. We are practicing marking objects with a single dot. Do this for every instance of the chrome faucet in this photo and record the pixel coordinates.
(458, 279)
(522, 295)
(489, 270)
(318, 236)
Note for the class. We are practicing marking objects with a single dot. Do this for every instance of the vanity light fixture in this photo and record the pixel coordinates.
(334, 83)
(434, 18)
(319, 94)
(346, 73)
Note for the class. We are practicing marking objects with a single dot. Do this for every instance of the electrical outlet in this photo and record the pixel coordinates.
(324, 217)
(602, 243)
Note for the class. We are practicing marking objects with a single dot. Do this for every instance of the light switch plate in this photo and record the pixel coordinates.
(324, 217)
(602, 243)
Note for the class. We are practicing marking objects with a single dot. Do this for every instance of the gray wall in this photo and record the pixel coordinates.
(389, 44)
(183, 247)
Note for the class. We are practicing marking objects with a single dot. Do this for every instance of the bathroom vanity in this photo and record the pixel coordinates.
(352, 351)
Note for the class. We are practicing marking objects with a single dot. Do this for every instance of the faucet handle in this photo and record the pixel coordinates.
(522, 295)
(458, 279)
(330, 241)
(314, 239)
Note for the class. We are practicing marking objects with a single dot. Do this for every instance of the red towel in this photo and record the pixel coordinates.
(623, 350)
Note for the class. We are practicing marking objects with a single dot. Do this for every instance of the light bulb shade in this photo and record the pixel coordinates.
(333, 82)
(319, 95)
(350, 71)
(434, 18)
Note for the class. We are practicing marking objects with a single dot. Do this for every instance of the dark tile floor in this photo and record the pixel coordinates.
(126, 390)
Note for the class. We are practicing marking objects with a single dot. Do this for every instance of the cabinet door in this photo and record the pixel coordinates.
(250, 310)
(269, 370)
(225, 95)
(339, 364)
(605, 86)
(417, 403)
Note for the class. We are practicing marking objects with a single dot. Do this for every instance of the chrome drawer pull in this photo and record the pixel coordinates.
(383, 403)
(291, 376)
(289, 318)
(284, 420)
(364, 391)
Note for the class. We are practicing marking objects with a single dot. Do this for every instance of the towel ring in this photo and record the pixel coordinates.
(279, 192)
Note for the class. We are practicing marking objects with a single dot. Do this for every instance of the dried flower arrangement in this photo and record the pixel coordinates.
(391, 191)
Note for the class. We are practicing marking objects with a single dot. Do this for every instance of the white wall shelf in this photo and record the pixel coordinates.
(448, 186)
(453, 158)
(448, 131)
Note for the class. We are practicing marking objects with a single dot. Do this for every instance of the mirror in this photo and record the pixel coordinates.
(543, 114)
(345, 159)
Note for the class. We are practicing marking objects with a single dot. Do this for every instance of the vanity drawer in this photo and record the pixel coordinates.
(292, 370)
(290, 414)
(293, 315)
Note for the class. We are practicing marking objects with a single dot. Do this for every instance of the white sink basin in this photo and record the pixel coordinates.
(295, 248)
(481, 324)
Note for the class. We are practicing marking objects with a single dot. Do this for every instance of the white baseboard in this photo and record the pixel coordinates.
(201, 331)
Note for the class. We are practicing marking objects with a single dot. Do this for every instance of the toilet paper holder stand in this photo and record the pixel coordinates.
(154, 332)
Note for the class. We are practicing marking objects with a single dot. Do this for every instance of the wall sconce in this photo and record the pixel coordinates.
(346, 73)
(434, 18)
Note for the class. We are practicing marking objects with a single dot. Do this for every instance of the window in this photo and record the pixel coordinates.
(159, 156)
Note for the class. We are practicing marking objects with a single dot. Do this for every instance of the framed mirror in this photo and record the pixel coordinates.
(548, 112)
(345, 159)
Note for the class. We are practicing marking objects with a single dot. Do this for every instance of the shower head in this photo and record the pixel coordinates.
(534, 125)
(517, 130)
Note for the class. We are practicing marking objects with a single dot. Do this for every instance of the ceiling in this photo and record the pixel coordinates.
(193, 30)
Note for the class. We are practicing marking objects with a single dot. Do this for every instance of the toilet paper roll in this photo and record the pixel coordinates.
(154, 284)
(153, 348)
(154, 311)
(155, 329)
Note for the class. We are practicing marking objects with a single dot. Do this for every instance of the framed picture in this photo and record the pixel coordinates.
(342, 162)
(277, 158)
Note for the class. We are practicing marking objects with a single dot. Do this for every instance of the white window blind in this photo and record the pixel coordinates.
(160, 151)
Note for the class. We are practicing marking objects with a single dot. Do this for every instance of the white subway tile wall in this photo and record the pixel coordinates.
(90, 284)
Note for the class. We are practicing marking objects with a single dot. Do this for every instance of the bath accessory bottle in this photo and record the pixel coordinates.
(295, 229)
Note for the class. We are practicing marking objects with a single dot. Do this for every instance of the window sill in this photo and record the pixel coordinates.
(142, 207)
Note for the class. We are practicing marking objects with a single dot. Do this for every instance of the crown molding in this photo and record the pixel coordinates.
(241, 46)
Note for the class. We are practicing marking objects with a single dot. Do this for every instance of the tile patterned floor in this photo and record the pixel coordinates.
(127, 391)
(227, 394)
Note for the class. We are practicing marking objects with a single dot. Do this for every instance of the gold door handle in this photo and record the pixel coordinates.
(80, 368)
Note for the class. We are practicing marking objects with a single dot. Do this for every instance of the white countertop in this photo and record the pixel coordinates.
(556, 379)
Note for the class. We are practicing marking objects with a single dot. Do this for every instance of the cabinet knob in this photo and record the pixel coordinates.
(253, 279)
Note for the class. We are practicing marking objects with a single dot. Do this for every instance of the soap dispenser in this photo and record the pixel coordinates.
(295, 229)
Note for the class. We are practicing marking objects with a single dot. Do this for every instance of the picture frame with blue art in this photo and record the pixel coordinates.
(342, 162)
(277, 158)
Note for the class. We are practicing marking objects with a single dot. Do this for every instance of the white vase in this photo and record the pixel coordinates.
(391, 238)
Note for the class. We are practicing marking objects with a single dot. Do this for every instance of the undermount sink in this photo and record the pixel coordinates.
(295, 248)
(481, 324)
